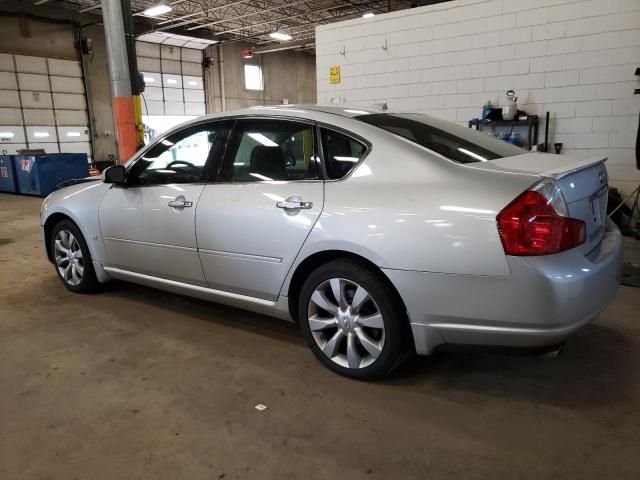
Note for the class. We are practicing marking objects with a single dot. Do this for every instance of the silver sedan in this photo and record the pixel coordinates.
(380, 234)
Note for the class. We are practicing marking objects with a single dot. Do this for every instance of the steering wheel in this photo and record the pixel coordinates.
(180, 162)
(290, 160)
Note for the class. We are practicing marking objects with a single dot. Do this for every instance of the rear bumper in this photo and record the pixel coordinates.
(542, 302)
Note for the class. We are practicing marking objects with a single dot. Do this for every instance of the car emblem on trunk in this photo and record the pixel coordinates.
(602, 176)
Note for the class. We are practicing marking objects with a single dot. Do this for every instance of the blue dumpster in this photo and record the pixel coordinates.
(39, 174)
(7, 174)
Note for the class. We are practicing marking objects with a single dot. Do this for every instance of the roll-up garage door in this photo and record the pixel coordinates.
(42, 105)
(174, 87)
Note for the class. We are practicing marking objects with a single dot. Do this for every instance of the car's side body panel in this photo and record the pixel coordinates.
(246, 243)
(142, 233)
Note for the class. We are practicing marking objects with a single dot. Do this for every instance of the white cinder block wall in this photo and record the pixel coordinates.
(575, 59)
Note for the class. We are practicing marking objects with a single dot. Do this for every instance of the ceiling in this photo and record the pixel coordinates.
(250, 20)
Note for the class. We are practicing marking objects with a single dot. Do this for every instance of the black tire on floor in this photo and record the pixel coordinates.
(89, 282)
(396, 346)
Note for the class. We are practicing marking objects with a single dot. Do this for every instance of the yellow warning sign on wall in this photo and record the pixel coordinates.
(334, 74)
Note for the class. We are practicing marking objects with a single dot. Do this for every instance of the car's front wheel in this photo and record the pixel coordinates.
(72, 258)
(352, 320)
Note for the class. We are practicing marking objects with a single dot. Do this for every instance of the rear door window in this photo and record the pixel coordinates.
(341, 153)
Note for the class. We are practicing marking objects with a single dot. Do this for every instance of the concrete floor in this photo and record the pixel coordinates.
(134, 383)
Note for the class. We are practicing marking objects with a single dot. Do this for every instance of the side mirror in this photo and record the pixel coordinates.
(114, 175)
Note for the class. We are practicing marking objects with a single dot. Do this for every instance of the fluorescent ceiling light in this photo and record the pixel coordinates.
(40, 134)
(368, 15)
(172, 81)
(149, 80)
(472, 155)
(280, 35)
(7, 134)
(260, 138)
(192, 83)
(73, 134)
(156, 10)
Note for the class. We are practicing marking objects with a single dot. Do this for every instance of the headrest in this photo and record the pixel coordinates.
(268, 162)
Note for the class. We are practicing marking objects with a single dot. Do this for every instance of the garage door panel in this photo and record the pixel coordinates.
(173, 95)
(153, 108)
(174, 108)
(67, 85)
(170, 53)
(192, 83)
(73, 134)
(8, 81)
(194, 109)
(171, 66)
(194, 69)
(36, 99)
(26, 64)
(32, 81)
(47, 147)
(194, 96)
(152, 79)
(6, 62)
(12, 134)
(78, 147)
(69, 101)
(64, 68)
(171, 81)
(71, 117)
(10, 116)
(12, 148)
(149, 64)
(41, 134)
(9, 98)
(153, 93)
(191, 55)
(38, 116)
(146, 49)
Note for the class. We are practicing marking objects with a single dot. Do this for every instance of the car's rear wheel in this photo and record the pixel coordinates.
(353, 321)
(72, 258)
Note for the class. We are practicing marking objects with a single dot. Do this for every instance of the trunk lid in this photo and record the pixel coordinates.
(584, 185)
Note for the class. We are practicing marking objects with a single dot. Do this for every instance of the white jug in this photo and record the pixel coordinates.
(510, 110)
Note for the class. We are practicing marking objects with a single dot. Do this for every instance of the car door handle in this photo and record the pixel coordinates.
(180, 203)
(288, 204)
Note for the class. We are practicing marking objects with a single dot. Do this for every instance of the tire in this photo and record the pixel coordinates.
(72, 259)
(365, 334)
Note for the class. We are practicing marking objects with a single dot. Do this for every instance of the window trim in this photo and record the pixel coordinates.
(232, 149)
(354, 136)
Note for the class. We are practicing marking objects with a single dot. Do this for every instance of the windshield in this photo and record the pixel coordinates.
(458, 143)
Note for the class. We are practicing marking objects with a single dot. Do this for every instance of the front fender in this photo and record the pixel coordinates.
(80, 203)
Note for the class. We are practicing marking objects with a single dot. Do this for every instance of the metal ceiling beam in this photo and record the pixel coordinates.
(257, 12)
(204, 12)
(276, 20)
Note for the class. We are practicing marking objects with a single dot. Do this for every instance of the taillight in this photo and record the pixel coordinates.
(536, 223)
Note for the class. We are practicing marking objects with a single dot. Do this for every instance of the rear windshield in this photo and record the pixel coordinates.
(458, 143)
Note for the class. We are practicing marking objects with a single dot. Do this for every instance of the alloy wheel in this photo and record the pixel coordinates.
(346, 323)
(68, 255)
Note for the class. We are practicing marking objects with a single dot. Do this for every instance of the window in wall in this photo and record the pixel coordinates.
(253, 77)
(270, 150)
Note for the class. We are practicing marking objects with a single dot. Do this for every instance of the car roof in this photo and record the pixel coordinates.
(298, 110)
